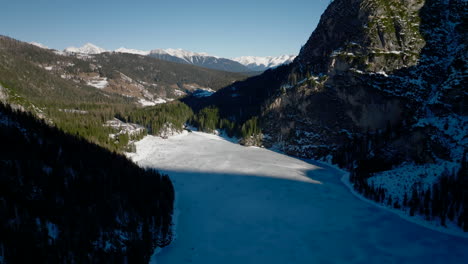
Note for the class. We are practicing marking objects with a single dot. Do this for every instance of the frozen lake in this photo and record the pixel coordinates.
(251, 205)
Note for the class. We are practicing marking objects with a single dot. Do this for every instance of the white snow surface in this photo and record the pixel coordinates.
(240, 204)
(132, 51)
(263, 63)
(87, 48)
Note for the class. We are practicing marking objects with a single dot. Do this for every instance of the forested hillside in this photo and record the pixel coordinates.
(65, 200)
(45, 76)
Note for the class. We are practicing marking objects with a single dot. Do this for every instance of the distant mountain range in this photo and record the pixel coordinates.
(240, 64)
(88, 48)
(90, 74)
(264, 63)
(198, 59)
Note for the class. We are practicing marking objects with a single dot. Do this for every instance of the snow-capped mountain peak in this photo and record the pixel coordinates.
(264, 63)
(132, 51)
(201, 59)
(182, 54)
(87, 48)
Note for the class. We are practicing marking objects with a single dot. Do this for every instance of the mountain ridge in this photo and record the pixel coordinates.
(257, 63)
(203, 59)
(87, 48)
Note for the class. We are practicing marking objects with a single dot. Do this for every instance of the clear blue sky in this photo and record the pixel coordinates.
(222, 28)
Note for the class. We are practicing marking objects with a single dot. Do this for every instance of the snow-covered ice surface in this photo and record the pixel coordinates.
(251, 205)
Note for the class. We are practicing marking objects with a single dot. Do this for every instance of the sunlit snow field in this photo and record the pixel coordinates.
(244, 205)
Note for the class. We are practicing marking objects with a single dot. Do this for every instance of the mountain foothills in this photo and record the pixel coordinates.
(379, 89)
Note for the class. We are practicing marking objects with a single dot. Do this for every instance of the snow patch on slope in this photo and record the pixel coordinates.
(400, 180)
(146, 102)
(98, 82)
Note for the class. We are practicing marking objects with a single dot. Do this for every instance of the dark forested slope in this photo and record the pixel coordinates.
(64, 200)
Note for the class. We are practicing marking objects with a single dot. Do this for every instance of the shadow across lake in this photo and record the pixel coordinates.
(233, 218)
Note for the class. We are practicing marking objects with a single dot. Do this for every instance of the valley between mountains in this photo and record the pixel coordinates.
(353, 151)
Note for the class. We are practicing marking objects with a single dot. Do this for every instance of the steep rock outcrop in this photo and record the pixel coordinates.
(340, 85)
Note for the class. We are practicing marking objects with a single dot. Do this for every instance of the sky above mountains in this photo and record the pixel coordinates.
(223, 28)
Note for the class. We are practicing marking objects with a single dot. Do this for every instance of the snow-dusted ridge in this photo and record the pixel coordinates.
(253, 63)
(264, 63)
(87, 48)
(182, 54)
(132, 51)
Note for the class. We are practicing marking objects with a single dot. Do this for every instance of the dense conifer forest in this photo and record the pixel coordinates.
(65, 200)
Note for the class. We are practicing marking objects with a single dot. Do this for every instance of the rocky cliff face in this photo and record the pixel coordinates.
(379, 88)
(371, 65)
(370, 35)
